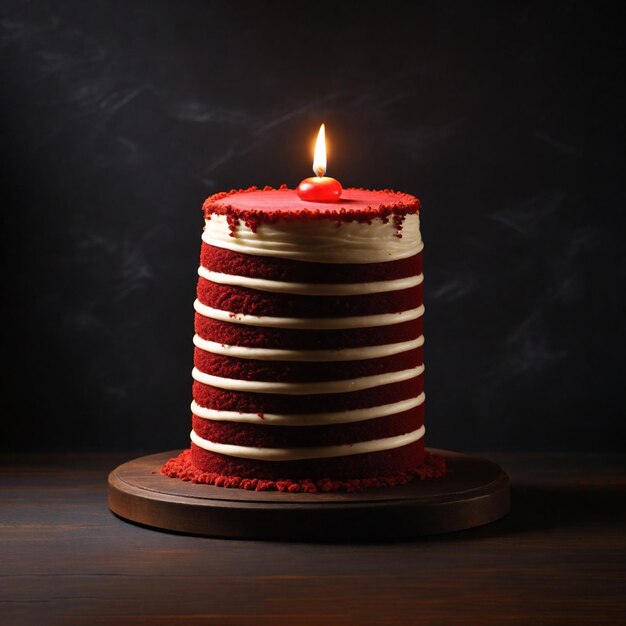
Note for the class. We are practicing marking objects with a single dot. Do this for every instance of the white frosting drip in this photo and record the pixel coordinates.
(308, 419)
(336, 354)
(311, 289)
(319, 241)
(315, 323)
(295, 454)
(307, 388)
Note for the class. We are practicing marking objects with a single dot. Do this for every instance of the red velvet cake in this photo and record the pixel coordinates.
(308, 348)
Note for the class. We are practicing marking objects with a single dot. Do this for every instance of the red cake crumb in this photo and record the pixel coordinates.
(258, 337)
(182, 467)
(231, 262)
(251, 302)
(303, 371)
(247, 402)
(262, 436)
(363, 465)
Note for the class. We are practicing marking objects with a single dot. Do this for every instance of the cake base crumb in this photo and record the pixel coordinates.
(181, 467)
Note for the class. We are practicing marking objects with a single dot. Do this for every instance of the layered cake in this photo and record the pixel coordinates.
(308, 366)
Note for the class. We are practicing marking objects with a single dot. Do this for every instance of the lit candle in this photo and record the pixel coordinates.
(320, 188)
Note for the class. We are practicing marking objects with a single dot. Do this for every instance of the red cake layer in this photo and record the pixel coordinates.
(261, 436)
(230, 262)
(252, 302)
(402, 459)
(256, 336)
(297, 371)
(182, 467)
(246, 402)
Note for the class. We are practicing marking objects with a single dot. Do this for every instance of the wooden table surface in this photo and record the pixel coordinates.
(558, 558)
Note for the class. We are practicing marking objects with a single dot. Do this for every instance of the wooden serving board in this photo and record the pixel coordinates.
(473, 493)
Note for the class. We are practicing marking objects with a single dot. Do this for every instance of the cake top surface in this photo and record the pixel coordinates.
(254, 205)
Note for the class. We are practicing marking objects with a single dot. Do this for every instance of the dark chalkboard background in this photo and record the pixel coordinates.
(506, 119)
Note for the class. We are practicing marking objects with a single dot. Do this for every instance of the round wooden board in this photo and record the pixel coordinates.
(473, 493)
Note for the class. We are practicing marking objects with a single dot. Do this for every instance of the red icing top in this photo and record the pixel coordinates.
(253, 206)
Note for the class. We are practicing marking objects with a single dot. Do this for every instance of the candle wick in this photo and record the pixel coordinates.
(320, 172)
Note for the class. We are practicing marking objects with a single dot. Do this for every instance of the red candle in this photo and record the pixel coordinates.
(320, 188)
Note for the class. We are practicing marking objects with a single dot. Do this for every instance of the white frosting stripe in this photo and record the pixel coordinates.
(314, 323)
(337, 354)
(311, 289)
(296, 454)
(309, 388)
(309, 419)
(319, 241)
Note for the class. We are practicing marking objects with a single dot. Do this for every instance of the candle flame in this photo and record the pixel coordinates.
(319, 159)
